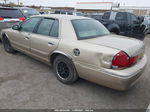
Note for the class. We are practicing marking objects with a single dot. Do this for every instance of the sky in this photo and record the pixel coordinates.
(70, 3)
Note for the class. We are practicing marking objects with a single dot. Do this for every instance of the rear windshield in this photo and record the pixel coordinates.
(30, 12)
(10, 13)
(89, 28)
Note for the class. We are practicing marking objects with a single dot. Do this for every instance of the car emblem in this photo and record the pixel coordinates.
(76, 52)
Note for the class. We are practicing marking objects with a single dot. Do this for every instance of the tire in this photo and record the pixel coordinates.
(7, 46)
(64, 70)
(116, 31)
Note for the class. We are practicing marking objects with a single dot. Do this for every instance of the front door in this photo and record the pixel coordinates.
(121, 20)
(21, 38)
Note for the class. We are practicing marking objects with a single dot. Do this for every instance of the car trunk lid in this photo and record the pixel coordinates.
(132, 47)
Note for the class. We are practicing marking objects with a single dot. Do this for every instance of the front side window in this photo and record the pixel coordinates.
(30, 24)
(121, 16)
(45, 26)
(134, 18)
(89, 28)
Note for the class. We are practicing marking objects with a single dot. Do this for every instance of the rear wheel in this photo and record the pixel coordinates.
(7, 46)
(116, 31)
(64, 70)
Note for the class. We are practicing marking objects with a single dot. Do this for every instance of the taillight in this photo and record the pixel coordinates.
(122, 60)
(133, 60)
(1, 19)
(22, 19)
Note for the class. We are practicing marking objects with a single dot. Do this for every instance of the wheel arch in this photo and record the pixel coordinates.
(113, 26)
(54, 54)
(4, 35)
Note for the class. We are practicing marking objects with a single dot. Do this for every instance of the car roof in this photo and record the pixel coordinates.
(59, 16)
(15, 8)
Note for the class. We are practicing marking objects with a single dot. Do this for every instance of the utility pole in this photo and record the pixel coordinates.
(18, 3)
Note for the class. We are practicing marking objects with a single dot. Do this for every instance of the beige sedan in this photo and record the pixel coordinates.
(79, 47)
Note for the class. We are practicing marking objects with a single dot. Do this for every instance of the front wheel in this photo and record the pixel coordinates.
(65, 70)
(7, 46)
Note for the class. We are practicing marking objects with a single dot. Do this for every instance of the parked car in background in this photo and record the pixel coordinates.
(75, 13)
(146, 22)
(124, 23)
(97, 16)
(41, 12)
(88, 51)
(10, 16)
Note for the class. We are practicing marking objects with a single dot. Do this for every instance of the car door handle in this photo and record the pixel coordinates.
(27, 38)
(50, 44)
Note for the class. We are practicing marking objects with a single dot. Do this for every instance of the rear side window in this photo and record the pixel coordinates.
(121, 16)
(106, 15)
(30, 24)
(10, 13)
(45, 27)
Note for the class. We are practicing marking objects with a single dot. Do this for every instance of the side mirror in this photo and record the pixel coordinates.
(16, 27)
(141, 19)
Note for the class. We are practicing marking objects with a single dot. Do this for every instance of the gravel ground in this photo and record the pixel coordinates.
(29, 84)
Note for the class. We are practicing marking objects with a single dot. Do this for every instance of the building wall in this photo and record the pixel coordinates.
(138, 12)
(91, 11)
(93, 6)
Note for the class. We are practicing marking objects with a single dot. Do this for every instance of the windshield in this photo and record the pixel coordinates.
(30, 12)
(89, 28)
(10, 13)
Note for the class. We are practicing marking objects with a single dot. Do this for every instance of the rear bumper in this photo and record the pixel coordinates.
(116, 79)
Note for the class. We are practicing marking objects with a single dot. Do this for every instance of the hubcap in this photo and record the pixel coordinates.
(63, 70)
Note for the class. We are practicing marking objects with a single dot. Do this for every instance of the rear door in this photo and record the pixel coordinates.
(121, 20)
(45, 39)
